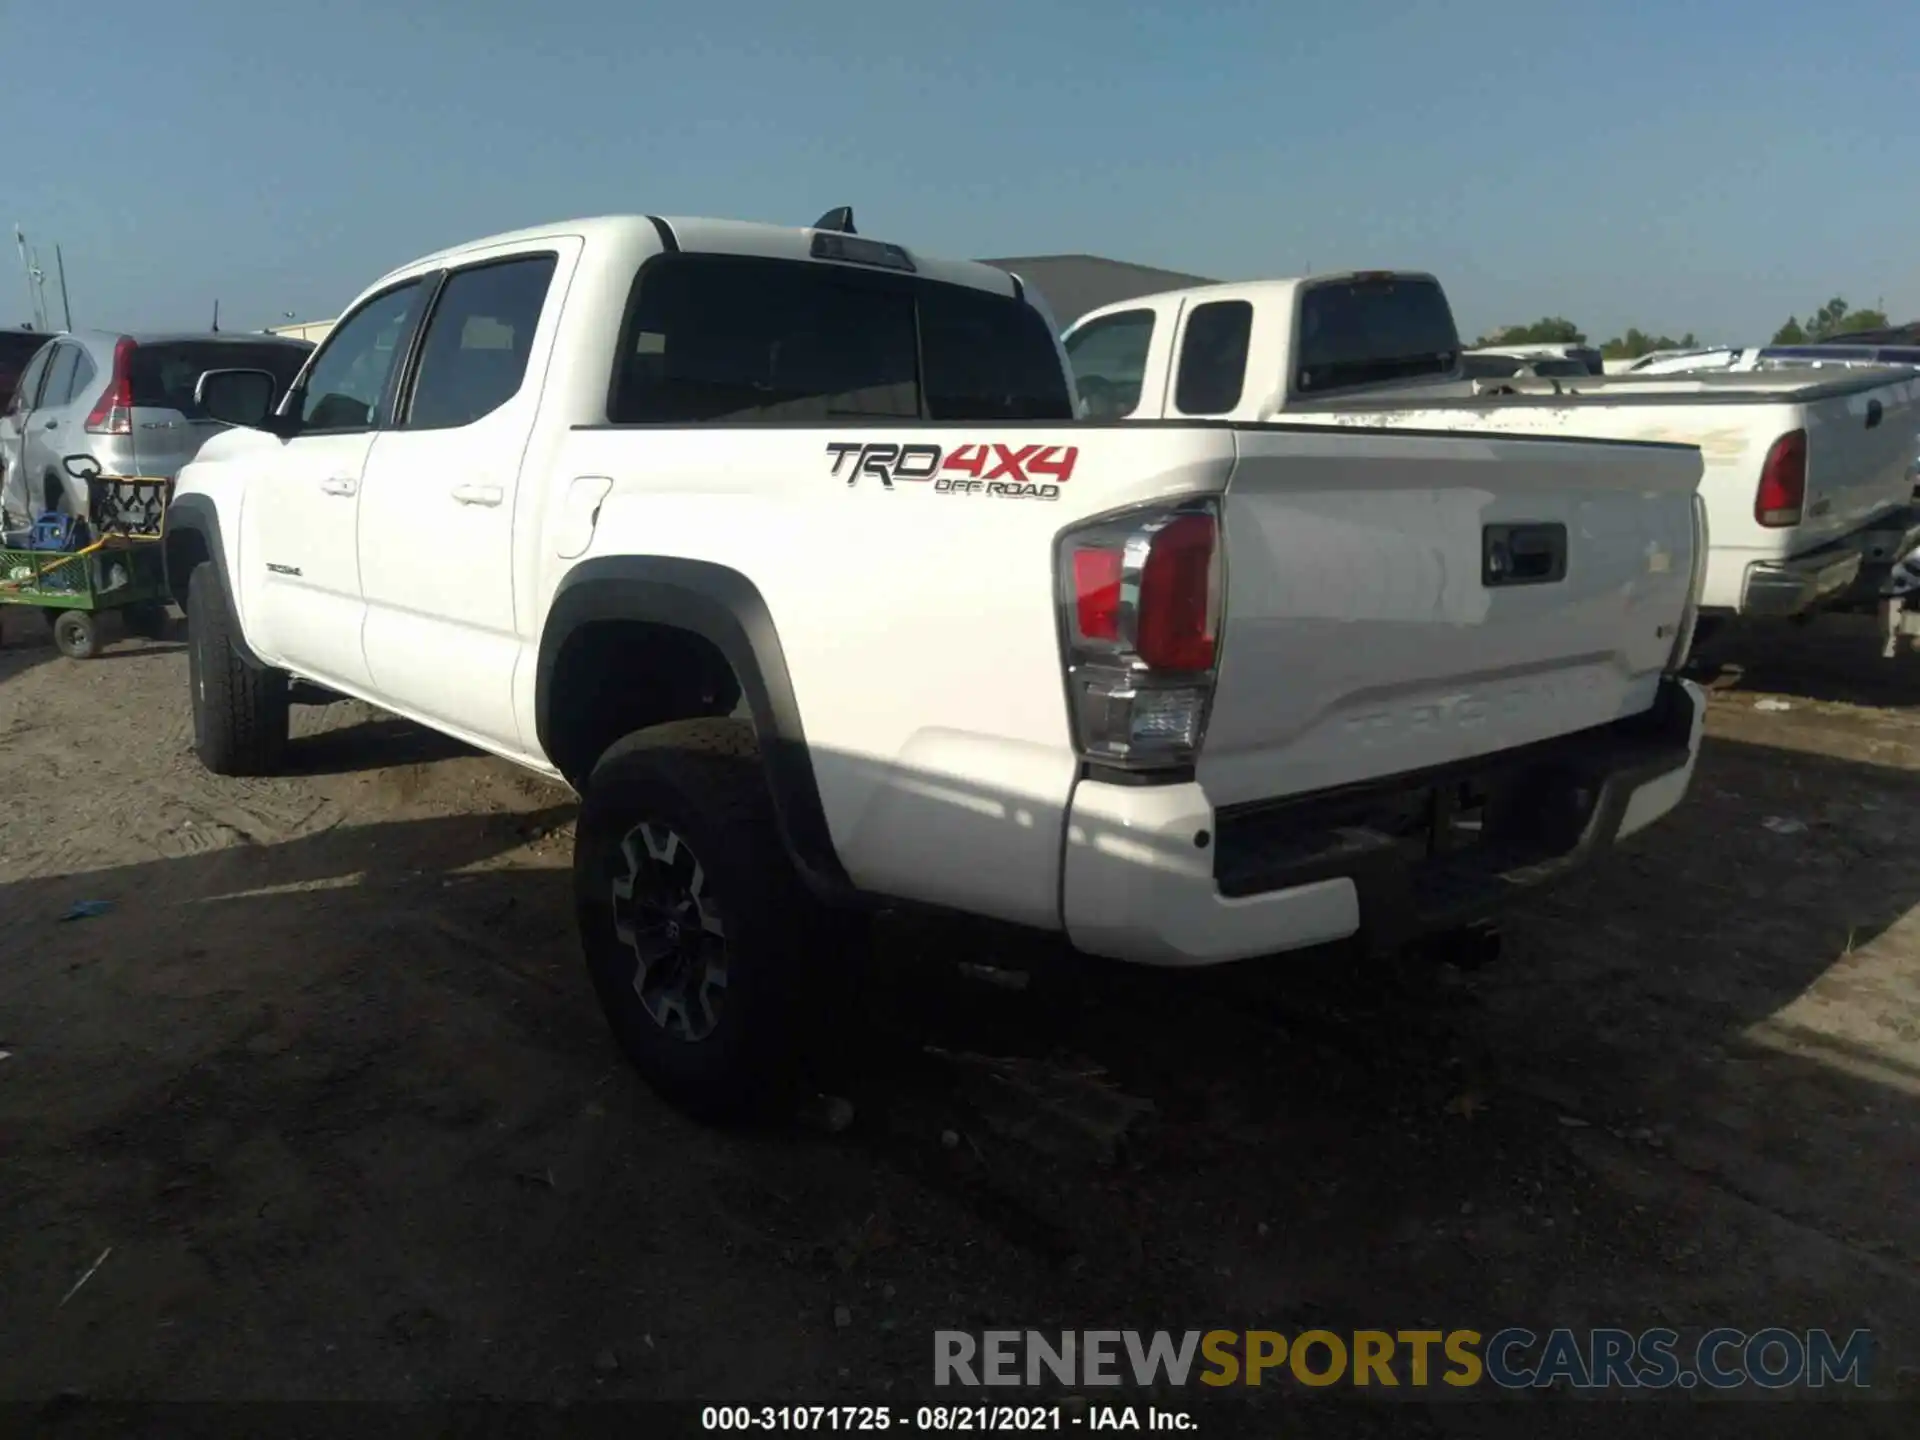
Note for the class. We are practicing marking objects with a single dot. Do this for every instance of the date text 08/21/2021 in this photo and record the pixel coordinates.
(944, 1419)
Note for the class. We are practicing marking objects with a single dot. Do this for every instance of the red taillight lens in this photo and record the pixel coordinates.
(1141, 606)
(113, 414)
(1783, 482)
(1096, 590)
(1178, 597)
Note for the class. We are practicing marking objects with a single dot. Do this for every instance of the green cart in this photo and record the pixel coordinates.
(121, 568)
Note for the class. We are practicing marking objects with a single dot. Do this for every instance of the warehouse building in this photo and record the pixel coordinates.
(1076, 284)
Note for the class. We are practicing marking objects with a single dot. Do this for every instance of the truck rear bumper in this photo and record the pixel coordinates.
(1851, 573)
(1778, 589)
(1154, 874)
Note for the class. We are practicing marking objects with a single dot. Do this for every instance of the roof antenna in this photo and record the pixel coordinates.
(216, 317)
(839, 218)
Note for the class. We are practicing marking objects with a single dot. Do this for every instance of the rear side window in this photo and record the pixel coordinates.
(1213, 358)
(1371, 329)
(24, 390)
(479, 339)
(163, 374)
(743, 341)
(59, 388)
(1109, 359)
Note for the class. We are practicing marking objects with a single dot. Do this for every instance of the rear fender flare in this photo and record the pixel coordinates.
(726, 609)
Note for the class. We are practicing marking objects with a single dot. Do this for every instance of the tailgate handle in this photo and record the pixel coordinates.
(1523, 554)
(1874, 412)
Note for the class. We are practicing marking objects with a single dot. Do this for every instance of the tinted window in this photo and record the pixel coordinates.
(85, 373)
(1560, 367)
(347, 385)
(164, 374)
(59, 386)
(1109, 359)
(478, 341)
(1359, 332)
(718, 338)
(1213, 358)
(988, 357)
(1490, 367)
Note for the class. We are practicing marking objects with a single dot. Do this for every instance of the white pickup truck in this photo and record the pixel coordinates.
(1183, 693)
(1808, 497)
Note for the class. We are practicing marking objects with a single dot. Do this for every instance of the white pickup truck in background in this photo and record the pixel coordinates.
(1807, 487)
(1183, 694)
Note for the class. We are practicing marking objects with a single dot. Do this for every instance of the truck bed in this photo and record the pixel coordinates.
(1859, 426)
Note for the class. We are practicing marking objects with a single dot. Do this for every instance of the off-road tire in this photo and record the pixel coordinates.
(239, 709)
(700, 788)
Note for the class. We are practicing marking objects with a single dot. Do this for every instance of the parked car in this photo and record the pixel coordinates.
(1675, 362)
(1808, 499)
(126, 400)
(1590, 360)
(1503, 364)
(1817, 355)
(1182, 694)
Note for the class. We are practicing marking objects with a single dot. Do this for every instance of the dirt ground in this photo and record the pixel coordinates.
(328, 1090)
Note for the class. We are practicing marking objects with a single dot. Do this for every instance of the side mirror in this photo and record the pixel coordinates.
(236, 397)
(81, 467)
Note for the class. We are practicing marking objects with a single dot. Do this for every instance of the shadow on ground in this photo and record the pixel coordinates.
(342, 1116)
(1834, 658)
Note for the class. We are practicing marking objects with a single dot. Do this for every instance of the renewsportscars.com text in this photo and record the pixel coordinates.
(1513, 1358)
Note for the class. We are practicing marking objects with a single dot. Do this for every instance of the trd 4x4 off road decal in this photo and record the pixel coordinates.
(1007, 472)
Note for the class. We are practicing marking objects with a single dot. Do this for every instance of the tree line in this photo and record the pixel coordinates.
(1835, 317)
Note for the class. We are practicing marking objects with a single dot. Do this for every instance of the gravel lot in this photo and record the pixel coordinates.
(328, 1087)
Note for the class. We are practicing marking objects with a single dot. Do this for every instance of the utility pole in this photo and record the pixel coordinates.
(60, 263)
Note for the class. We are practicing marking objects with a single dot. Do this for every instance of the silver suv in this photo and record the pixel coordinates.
(126, 400)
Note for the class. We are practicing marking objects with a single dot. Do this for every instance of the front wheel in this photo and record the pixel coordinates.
(239, 709)
(75, 633)
(703, 945)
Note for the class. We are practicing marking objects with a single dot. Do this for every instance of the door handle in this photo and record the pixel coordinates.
(478, 494)
(339, 485)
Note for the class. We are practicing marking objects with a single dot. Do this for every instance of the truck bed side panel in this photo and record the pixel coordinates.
(917, 622)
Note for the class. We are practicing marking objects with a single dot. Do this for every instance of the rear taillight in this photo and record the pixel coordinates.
(1690, 617)
(1179, 602)
(1096, 593)
(1783, 482)
(1141, 608)
(113, 414)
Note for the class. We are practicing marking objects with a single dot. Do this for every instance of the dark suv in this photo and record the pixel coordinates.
(17, 347)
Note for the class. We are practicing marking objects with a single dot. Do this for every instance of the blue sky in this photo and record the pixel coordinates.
(1678, 164)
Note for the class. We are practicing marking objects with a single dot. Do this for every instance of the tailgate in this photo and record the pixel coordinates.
(1859, 450)
(1397, 601)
